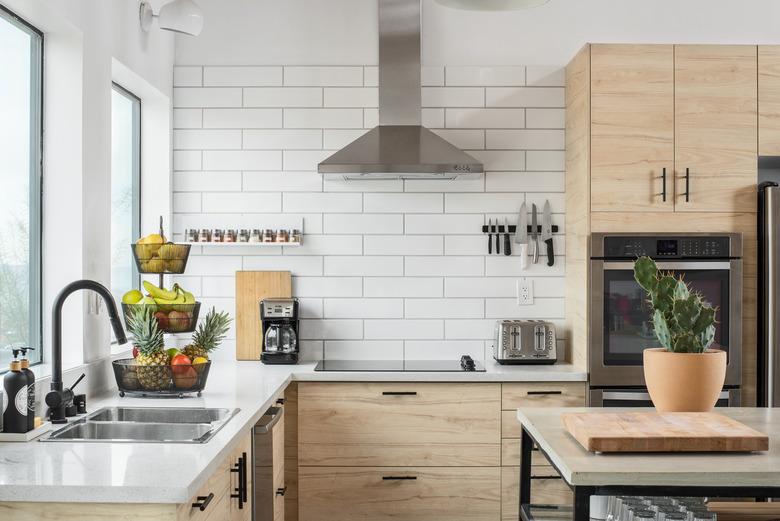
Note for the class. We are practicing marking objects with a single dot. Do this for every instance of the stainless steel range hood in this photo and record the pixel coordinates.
(400, 147)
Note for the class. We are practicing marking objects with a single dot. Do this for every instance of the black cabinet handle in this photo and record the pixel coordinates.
(245, 490)
(687, 185)
(203, 502)
(663, 190)
(532, 393)
(399, 393)
(281, 491)
(241, 490)
(399, 478)
(280, 401)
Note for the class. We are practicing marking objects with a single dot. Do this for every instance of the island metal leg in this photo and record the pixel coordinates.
(527, 445)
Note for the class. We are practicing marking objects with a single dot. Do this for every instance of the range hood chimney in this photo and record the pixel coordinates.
(400, 147)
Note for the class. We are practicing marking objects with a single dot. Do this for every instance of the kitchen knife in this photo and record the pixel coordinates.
(521, 236)
(535, 233)
(490, 236)
(497, 229)
(507, 244)
(547, 236)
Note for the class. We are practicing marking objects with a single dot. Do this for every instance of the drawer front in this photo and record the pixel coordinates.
(399, 424)
(510, 455)
(542, 394)
(217, 484)
(544, 491)
(351, 494)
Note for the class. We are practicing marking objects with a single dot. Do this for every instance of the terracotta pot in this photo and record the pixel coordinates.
(684, 382)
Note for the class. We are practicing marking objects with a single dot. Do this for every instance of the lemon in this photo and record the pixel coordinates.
(199, 360)
(132, 297)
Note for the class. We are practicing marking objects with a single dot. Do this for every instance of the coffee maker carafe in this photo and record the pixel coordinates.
(279, 322)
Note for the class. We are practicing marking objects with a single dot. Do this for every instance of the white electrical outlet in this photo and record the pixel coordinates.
(525, 292)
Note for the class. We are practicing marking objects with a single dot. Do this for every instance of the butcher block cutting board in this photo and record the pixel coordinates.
(662, 432)
(251, 288)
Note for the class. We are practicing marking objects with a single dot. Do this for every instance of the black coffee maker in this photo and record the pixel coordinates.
(279, 322)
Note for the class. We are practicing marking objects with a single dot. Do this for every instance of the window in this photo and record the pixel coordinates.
(125, 188)
(21, 63)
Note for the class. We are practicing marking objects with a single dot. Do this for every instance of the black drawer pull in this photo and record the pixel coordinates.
(399, 478)
(687, 185)
(539, 393)
(203, 502)
(399, 393)
(280, 401)
(281, 491)
(545, 477)
(663, 193)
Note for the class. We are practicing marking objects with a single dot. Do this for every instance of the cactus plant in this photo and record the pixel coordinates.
(682, 321)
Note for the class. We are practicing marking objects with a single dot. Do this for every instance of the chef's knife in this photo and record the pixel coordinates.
(490, 236)
(547, 236)
(535, 233)
(507, 244)
(521, 236)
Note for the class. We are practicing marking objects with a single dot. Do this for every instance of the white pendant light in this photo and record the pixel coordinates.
(492, 5)
(180, 16)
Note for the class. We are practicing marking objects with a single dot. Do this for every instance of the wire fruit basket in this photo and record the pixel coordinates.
(160, 380)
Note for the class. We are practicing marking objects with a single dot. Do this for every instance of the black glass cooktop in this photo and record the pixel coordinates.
(417, 366)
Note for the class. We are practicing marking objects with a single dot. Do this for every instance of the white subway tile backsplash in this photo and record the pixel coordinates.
(363, 223)
(194, 97)
(443, 308)
(242, 160)
(323, 202)
(485, 76)
(323, 118)
(453, 97)
(387, 269)
(230, 202)
(187, 76)
(366, 266)
(403, 287)
(327, 287)
(242, 118)
(403, 203)
(225, 76)
(486, 118)
(364, 308)
(403, 245)
(324, 76)
(287, 139)
(404, 329)
(525, 97)
(364, 349)
(351, 97)
(283, 97)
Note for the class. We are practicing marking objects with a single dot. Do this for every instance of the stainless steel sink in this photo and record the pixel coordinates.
(146, 425)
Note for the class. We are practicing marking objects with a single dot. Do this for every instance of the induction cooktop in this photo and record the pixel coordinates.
(417, 366)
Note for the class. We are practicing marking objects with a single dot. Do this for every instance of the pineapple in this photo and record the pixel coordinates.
(153, 371)
(209, 334)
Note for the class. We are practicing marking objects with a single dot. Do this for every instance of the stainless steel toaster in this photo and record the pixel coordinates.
(524, 342)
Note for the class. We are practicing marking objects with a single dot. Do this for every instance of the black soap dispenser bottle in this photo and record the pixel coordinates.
(30, 386)
(15, 403)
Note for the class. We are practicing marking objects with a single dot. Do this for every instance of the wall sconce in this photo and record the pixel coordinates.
(180, 16)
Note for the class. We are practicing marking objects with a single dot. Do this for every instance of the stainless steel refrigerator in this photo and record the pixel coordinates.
(768, 356)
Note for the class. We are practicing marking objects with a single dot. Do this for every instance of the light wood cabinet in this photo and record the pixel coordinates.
(716, 127)
(632, 128)
(399, 424)
(545, 490)
(241, 511)
(393, 493)
(769, 100)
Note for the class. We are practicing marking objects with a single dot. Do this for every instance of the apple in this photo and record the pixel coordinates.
(179, 320)
(163, 320)
(135, 351)
(184, 375)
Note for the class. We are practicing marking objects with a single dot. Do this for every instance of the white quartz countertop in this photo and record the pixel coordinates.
(172, 473)
(580, 467)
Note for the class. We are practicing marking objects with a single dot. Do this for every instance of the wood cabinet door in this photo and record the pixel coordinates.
(769, 100)
(716, 128)
(243, 451)
(632, 128)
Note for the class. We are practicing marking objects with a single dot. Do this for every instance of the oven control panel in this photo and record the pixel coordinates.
(659, 247)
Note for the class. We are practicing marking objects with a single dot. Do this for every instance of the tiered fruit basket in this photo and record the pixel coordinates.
(171, 318)
(155, 380)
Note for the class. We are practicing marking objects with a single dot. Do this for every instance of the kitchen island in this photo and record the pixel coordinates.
(748, 475)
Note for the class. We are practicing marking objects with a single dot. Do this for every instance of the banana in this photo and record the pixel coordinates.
(159, 293)
(178, 300)
(189, 298)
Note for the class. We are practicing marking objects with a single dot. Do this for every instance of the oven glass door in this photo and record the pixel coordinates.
(628, 327)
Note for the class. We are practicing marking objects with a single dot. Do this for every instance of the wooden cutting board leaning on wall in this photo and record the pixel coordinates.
(251, 288)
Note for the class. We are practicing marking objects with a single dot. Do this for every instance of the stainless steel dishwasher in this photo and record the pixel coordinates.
(268, 450)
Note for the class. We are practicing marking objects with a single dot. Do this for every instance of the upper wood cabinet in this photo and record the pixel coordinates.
(769, 100)
(716, 127)
(632, 128)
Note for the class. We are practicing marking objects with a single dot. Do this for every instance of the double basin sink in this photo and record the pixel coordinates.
(146, 425)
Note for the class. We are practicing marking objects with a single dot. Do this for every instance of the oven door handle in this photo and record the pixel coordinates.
(628, 396)
(669, 265)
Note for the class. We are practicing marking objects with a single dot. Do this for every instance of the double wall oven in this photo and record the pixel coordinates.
(620, 324)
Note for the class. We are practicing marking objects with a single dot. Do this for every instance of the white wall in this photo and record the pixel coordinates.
(83, 38)
(343, 32)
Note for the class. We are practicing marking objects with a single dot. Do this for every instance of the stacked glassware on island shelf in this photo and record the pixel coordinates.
(659, 508)
(290, 236)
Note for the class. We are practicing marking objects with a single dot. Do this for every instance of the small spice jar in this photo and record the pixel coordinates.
(204, 235)
(256, 236)
(218, 236)
(230, 236)
(283, 236)
(191, 235)
(296, 236)
(243, 236)
(269, 236)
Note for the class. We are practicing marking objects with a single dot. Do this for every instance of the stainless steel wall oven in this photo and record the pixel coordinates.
(620, 326)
